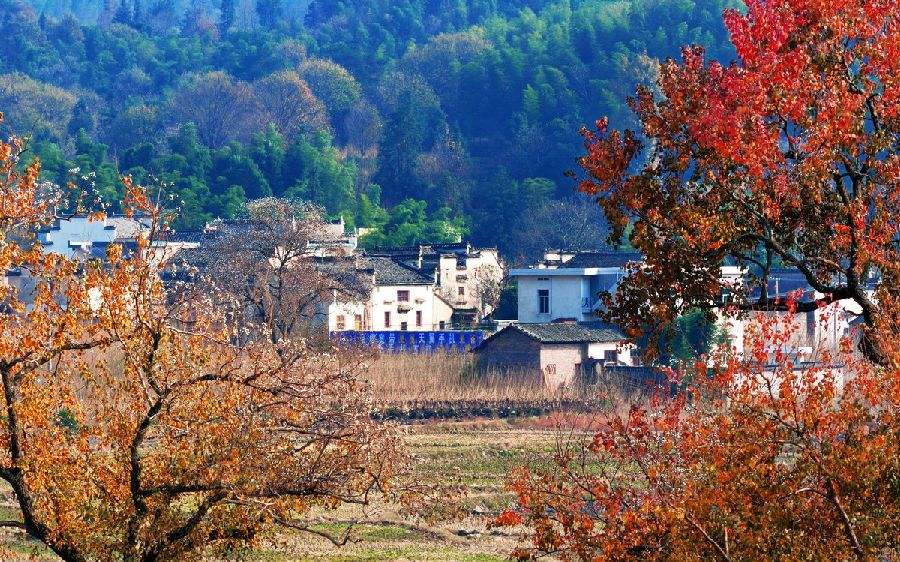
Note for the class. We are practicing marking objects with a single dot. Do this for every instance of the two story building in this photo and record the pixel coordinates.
(402, 298)
(567, 285)
(467, 278)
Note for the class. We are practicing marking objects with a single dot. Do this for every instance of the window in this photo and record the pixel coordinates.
(402, 296)
(418, 319)
(341, 323)
(551, 369)
(611, 356)
(462, 291)
(404, 326)
(358, 323)
(543, 301)
(387, 319)
(442, 325)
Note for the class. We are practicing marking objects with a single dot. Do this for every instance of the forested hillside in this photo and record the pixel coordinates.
(423, 119)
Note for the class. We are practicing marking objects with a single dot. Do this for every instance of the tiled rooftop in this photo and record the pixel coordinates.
(582, 332)
(390, 272)
(584, 260)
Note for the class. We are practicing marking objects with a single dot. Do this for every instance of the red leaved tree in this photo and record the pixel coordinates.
(747, 462)
(786, 158)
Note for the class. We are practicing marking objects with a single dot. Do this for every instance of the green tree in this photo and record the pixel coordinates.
(333, 84)
(34, 108)
(316, 172)
(227, 14)
(409, 224)
(268, 150)
(231, 166)
(270, 12)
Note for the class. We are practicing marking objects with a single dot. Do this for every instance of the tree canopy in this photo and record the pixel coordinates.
(786, 158)
(140, 423)
(426, 99)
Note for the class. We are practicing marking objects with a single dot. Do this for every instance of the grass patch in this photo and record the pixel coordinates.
(8, 513)
(439, 554)
(369, 533)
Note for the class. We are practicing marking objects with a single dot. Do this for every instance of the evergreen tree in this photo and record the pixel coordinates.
(138, 17)
(227, 15)
(270, 12)
(124, 13)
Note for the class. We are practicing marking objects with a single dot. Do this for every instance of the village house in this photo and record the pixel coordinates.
(332, 240)
(567, 285)
(402, 298)
(83, 237)
(467, 278)
(814, 331)
(424, 288)
(561, 353)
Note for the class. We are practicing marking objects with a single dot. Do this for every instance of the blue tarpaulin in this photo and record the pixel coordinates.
(413, 342)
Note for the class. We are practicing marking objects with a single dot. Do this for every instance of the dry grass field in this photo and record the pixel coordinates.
(476, 453)
(446, 386)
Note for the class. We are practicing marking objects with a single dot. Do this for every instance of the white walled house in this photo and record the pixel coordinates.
(81, 236)
(815, 331)
(348, 315)
(333, 241)
(567, 285)
(467, 278)
(401, 299)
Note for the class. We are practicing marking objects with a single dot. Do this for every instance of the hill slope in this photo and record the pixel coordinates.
(419, 118)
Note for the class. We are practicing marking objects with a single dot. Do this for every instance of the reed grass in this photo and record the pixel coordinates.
(404, 379)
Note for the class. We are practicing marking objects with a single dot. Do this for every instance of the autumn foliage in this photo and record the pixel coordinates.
(786, 158)
(748, 461)
(134, 428)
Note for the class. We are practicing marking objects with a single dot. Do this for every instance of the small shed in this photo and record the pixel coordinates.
(559, 352)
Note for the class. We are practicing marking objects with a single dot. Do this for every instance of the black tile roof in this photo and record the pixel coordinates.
(390, 272)
(582, 332)
(188, 236)
(601, 259)
(426, 251)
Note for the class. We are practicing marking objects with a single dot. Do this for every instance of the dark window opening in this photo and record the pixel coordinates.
(544, 301)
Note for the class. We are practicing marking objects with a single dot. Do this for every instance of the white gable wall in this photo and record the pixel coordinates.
(384, 299)
(623, 352)
(567, 298)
